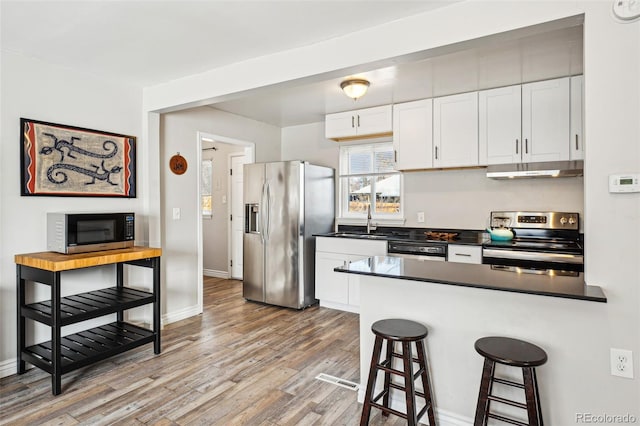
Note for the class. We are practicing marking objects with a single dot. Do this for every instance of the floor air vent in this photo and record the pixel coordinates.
(338, 381)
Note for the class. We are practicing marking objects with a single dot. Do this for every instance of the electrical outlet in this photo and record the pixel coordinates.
(421, 217)
(621, 363)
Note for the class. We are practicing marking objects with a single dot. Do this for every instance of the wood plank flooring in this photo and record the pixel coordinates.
(240, 363)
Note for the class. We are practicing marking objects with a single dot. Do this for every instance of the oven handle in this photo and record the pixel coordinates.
(536, 256)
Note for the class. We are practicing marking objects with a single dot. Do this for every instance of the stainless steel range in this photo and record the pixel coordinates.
(542, 240)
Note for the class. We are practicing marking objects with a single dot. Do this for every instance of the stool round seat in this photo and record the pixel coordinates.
(508, 351)
(399, 330)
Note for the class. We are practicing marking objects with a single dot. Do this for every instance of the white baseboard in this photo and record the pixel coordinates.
(443, 417)
(8, 367)
(215, 274)
(340, 306)
(180, 315)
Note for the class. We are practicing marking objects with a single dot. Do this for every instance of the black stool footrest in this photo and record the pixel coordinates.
(508, 383)
(508, 402)
(380, 395)
(388, 410)
(403, 389)
(507, 420)
(390, 370)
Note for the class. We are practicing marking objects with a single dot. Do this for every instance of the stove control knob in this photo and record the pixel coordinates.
(572, 221)
(563, 220)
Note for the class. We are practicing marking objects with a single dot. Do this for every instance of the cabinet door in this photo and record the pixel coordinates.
(500, 126)
(545, 120)
(331, 286)
(413, 134)
(576, 144)
(455, 130)
(340, 125)
(374, 121)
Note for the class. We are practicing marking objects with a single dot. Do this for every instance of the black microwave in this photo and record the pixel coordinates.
(71, 233)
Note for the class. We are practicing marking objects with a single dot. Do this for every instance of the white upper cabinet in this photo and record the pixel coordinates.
(413, 135)
(545, 120)
(362, 123)
(500, 127)
(455, 130)
(576, 144)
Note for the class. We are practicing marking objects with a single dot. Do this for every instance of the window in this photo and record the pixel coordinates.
(368, 177)
(206, 180)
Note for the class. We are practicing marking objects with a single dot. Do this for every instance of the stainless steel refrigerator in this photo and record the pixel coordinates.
(285, 204)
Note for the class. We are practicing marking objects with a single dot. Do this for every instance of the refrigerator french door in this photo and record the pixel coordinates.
(285, 203)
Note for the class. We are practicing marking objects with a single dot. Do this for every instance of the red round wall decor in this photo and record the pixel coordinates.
(178, 164)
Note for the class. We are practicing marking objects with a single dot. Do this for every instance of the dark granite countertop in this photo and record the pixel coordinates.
(462, 236)
(563, 284)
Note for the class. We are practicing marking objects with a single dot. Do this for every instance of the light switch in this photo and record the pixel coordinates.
(176, 213)
(224, 199)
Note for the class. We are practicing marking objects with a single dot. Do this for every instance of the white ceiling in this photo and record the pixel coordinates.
(148, 42)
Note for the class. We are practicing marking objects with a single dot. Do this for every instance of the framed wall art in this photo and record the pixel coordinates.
(68, 161)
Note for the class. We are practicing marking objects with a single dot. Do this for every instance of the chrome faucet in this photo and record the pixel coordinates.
(370, 226)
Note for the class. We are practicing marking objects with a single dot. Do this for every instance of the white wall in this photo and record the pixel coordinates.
(180, 237)
(450, 198)
(36, 90)
(307, 143)
(611, 55)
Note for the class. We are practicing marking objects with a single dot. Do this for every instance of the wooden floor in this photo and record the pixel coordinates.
(238, 363)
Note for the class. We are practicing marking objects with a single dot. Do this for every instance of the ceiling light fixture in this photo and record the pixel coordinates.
(354, 88)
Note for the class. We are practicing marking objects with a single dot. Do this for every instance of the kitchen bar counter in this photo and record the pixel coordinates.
(562, 284)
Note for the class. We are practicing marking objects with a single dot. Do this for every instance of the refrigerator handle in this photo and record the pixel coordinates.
(268, 208)
(263, 207)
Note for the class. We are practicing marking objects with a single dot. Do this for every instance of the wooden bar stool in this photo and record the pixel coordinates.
(405, 333)
(515, 353)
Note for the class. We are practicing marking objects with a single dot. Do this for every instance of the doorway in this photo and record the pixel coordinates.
(220, 213)
(236, 230)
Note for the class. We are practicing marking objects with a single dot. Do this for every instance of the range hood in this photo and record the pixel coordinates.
(536, 170)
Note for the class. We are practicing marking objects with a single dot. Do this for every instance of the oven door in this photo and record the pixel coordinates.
(533, 259)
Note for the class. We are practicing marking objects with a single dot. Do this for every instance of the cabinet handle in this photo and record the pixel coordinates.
(358, 120)
(576, 142)
(436, 152)
(517, 146)
(526, 146)
(353, 122)
(462, 254)
(395, 156)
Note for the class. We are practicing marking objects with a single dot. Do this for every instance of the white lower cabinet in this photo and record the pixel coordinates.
(464, 253)
(338, 290)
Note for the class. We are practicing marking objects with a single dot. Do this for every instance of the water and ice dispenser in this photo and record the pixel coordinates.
(251, 218)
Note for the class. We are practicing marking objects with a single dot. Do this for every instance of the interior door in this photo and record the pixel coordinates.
(237, 214)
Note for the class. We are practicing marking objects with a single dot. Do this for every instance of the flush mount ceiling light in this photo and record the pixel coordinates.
(354, 88)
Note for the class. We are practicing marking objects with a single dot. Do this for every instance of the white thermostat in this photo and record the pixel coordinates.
(624, 183)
